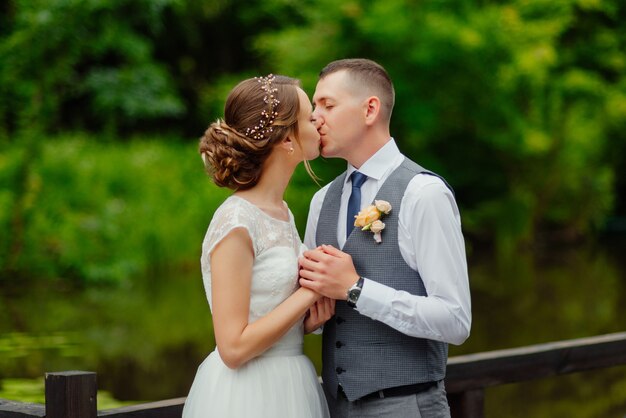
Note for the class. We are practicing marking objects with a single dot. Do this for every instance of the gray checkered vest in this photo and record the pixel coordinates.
(361, 354)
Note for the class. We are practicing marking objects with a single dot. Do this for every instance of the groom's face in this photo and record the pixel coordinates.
(339, 114)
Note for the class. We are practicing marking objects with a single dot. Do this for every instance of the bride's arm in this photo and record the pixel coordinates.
(231, 273)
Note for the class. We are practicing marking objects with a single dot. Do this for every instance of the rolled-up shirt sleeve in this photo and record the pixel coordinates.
(431, 242)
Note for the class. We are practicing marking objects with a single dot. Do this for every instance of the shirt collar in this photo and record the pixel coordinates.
(378, 164)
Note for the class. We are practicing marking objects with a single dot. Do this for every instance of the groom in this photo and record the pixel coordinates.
(400, 301)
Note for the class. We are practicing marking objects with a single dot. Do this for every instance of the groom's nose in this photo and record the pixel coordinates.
(317, 122)
(316, 113)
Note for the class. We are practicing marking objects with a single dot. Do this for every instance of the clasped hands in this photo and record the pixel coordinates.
(329, 272)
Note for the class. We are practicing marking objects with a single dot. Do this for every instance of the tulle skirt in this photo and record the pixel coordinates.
(278, 384)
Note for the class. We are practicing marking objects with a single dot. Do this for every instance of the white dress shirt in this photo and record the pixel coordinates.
(431, 242)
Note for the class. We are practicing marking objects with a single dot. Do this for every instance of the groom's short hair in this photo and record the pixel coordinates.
(369, 74)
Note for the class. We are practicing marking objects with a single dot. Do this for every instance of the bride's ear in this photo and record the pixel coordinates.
(288, 144)
(371, 109)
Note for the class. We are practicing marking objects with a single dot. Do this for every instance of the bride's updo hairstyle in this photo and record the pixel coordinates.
(259, 113)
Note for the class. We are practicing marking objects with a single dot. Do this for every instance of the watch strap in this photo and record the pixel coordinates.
(354, 292)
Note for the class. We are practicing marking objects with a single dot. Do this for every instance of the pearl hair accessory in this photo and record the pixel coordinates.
(264, 128)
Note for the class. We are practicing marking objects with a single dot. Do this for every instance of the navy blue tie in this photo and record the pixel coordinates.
(354, 203)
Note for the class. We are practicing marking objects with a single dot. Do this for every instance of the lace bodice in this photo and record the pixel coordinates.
(276, 245)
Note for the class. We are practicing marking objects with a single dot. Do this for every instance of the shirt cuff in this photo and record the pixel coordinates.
(375, 299)
(318, 331)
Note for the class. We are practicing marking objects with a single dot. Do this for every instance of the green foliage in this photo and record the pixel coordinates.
(104, 212)
(83, 62)
(520, 104)
(23, 390)
(514, 102)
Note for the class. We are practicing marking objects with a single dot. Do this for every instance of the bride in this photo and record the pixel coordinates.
(250, 260)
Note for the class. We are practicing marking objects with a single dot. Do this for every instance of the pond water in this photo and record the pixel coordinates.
(146, 338)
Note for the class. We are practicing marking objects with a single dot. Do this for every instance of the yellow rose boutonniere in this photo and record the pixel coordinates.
(369, 218)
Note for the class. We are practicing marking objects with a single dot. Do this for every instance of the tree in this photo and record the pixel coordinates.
(71, 63)
(515, 102)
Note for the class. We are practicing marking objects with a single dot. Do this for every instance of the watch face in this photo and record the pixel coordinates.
(354, 295)
(354, 292)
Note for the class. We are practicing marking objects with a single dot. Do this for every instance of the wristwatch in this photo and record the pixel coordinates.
(354, 292)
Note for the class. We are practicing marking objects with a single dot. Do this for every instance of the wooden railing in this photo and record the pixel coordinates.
(73, 394)
(468, 376)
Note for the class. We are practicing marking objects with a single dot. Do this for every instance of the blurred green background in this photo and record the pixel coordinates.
(520, 104)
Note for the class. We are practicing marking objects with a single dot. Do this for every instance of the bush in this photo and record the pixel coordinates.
(103, 212)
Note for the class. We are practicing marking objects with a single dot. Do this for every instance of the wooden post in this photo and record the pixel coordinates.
(468, 404)
(71, 395)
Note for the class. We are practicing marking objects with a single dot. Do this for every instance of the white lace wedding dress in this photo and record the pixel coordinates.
(281, 382)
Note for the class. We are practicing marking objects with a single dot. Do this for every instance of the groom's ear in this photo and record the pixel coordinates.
(372, 110)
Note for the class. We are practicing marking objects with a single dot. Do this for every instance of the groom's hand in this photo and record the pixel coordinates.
(328, 271)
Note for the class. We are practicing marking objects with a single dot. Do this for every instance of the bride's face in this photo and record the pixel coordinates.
(308, 137)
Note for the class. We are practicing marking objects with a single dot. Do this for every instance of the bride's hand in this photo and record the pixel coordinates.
(318, 314)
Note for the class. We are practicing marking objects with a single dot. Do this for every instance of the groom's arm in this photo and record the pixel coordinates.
(431, 239)
(432, 243)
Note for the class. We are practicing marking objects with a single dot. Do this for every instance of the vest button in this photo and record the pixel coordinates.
(340, 320)
(339, 370)
(338, 344)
